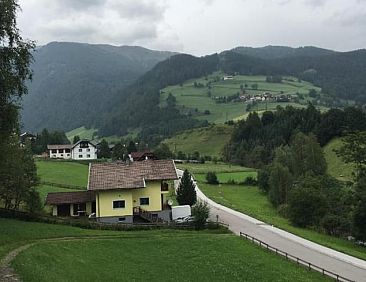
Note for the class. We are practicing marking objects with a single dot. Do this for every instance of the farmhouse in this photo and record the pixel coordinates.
(82, 150)
(121, 193)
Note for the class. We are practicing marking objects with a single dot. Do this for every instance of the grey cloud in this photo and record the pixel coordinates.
(79, 4)
(138, 9)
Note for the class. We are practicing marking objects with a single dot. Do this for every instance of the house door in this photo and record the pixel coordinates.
(63, 210)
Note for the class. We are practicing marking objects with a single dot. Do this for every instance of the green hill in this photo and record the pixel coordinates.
(202, 97)
(336, 167)
(208, 141)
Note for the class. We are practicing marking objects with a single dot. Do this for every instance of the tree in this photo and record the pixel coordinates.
(280, 183)
(104, 151)
(119, 152)
(307, 204)
(131, 147)
(200, 212)
(359, 214)
(211, 178)
(17, 169)
(163, 152)
(186, 192)
(76, 139)
(353, 150)
(307, 155)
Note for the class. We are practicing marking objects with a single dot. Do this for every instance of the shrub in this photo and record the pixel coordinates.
(211, 178)
(251, 181)
(200, 212)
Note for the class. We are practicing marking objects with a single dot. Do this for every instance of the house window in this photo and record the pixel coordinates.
(67, 150)
(144, 201)
(121, 219)
(68, 155)
(88, 156)
(80, 156)
(61, 151)
(80, 150)
(88, 150)
(54, 151)
(62, 155)
(120, 204)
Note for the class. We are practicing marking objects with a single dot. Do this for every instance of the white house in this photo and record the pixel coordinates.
(82, 150)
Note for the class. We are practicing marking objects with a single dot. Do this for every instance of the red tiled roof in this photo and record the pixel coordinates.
(108, 176)
(58, 198)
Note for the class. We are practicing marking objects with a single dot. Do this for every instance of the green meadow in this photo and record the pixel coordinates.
(160, 255)
(196, 100)
(336, 167)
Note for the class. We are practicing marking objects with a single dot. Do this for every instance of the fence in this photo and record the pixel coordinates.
(299, 261)
(66, 186)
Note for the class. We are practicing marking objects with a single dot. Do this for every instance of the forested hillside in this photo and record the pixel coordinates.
(73, 83)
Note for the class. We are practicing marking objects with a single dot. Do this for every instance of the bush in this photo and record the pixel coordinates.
(211, 178)
(200, 212)
(251, 181)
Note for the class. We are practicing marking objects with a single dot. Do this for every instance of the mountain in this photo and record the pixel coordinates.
(74, 82)
(277, 52)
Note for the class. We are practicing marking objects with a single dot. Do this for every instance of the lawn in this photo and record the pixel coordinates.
(43, 190)
(15, 233)
(336, 167)
(210, 166)
(63, 172)
(208, 141)
(157, 256)
(253, 202)
(196, 99)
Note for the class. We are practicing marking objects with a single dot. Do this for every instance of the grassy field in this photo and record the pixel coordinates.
(225, 177)
(210, 166)
(149, 255)
(251, 201)
(336, 167)
(82, 132)
(14, 233)
(63, 172)
(208, 141)
(197, 101)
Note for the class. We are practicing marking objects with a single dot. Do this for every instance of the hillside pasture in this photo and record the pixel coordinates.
(213, 167)
(336, 166)
(208, 141)
(196, 100)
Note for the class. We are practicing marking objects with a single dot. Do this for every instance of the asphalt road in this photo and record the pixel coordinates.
(329, 259)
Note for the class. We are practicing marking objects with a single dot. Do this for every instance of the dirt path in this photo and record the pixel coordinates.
(7, 273)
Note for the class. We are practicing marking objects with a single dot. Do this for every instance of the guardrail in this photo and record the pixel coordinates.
(299, 261)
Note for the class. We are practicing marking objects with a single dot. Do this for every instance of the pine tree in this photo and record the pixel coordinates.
(104, 151)
(186, 193)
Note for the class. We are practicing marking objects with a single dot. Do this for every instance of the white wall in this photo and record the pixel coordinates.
(60, 154)
(84, 153)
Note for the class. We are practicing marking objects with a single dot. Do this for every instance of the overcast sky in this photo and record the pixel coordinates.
(197, 26)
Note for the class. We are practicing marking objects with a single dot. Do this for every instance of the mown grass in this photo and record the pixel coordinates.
(251, 201)
(63, 172)
(336, 166)
(192, 98)
(168, 256)
(210, 166)
(208, 141)
(14, 233)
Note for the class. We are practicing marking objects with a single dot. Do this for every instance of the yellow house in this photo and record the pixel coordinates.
(120, 193)
(124, 192)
